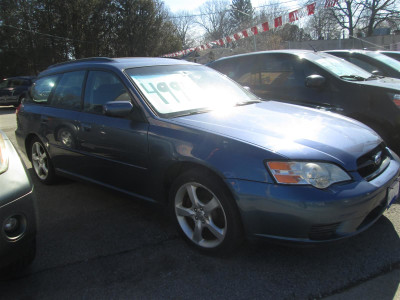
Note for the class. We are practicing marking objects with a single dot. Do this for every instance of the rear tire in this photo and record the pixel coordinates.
(41, 162)
(205, 212)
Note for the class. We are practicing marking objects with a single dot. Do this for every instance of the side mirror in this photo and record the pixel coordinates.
(117, 108)
(315, 81)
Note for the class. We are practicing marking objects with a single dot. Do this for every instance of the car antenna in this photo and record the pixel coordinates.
(315, 50)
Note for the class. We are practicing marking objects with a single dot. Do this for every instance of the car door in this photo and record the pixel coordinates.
(115, 148)
(282, 77)
(264, 74)
(59, 118)
(323, 97)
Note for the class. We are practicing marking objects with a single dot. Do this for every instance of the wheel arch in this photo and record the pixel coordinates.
(215, 180)
(178, 168)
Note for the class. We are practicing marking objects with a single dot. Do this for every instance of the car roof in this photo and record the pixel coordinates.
(19, 77)
(303, 52)
(387, 51)
(120, 63)
(359, 51)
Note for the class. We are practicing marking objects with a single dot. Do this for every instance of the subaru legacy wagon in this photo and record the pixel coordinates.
(228, 165)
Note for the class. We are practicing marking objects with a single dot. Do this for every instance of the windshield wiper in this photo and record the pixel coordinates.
(373, 77)
(355, 77)
(192, 113)
(247, 102)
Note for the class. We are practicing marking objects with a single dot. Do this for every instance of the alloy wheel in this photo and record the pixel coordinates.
(40, 160)
(200, 215)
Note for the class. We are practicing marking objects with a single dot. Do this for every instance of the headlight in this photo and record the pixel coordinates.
(320, 175)
(395, 98)
(3, 155)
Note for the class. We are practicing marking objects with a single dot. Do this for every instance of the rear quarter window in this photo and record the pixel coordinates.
(68, 91)
(42, 88)
(225, 67)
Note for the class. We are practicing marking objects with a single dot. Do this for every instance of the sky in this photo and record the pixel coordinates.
(191, 5)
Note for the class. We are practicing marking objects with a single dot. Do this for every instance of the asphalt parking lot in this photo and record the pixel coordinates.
(94, 243)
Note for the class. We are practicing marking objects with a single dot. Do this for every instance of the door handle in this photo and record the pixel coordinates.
(86, 126)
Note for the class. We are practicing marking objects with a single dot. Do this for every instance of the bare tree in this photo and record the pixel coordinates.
(348, 14)
(377, 12)
(271, 39)
(321, 26)
(215, 19)
(184, 23)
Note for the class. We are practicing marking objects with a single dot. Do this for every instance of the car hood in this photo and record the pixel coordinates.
(385, 82)
(292, 131)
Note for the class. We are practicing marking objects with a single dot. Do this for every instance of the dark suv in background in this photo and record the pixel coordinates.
(14, 89)
(323, 81)
(371, 61)
(393, 54)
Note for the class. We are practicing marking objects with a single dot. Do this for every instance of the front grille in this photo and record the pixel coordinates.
(371, 164)
(323, 231)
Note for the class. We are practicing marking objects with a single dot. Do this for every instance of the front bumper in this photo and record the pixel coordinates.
(11, 250)
(309, 215)
(16, 200)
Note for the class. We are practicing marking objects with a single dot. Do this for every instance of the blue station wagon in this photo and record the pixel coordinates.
(226, 164)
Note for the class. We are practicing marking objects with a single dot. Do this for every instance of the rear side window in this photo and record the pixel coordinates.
(4, 83)
(16, 82)
(103, 87)
(362, 64)
(263, 71)
(25, 82)
(226, 67)
(43, 87)
(68, 92)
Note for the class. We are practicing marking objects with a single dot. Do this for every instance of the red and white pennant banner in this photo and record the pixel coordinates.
(266, 26)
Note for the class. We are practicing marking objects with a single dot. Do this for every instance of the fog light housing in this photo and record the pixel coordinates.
(11, 225)
(14, 227)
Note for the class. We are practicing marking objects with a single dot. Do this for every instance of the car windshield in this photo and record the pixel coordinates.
(188, 89)
(341, 68)
(386, 60)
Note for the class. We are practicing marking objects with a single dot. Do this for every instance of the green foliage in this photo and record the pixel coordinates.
(241, 12)
(38, 33)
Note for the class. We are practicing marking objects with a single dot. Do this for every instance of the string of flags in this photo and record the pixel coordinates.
(266, 26)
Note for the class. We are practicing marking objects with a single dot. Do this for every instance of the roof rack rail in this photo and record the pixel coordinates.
(89, 59)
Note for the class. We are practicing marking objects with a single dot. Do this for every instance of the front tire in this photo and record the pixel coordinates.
(205, 213)
(41, 162)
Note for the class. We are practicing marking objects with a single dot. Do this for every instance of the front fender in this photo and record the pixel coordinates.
(171, 144)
